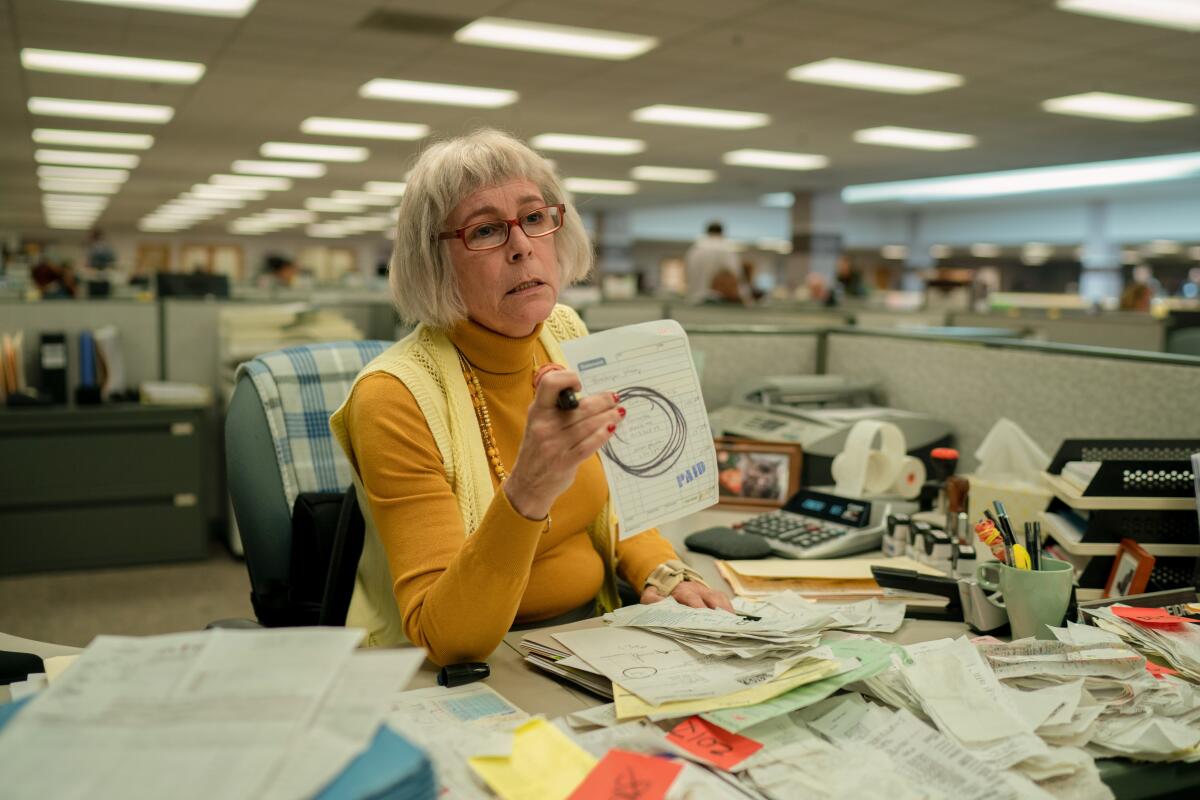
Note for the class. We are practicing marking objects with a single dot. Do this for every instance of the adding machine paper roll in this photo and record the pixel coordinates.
(861, 469)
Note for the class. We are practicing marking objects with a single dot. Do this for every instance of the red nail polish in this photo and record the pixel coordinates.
(616, 397)
(621, 410)
(612, 428)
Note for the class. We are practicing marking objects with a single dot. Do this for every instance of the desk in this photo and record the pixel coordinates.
(537, 693)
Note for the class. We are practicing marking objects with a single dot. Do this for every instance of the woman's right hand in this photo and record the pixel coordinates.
(556, 442)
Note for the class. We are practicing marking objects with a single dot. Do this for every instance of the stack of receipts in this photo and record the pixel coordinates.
(781, 624)
(1044, 710)
(1174, 639)
(272, 714)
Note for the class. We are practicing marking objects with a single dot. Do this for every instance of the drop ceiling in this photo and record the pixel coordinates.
(292, 59)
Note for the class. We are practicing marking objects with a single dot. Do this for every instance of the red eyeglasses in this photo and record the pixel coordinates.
(487, 235)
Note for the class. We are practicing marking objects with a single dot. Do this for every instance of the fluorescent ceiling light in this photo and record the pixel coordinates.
(326, 231)
(940, 251)
(68, 225)
(121, 141)
(599, 186)
(74, 200)
(94, 109)
(207, 8)
(289, 214)
(445, 94)
(914, 138)
(83, 158)
(318, 152)
(363, 198)
(775, 159)
(1181, 14)
(205, 203)
(1123, 107)
(84, 174)
(102, 66)
(77, 187)
(331, 206)
(225, 192)
(983, 250)
(289, 169)
(1025, 181)
(513, 34)
(574, 143)
(694, 117)
(364, 128)
(874, 77)
(76, 212)
(778, 200)
(389, 188)
(673, 174)
(251, 182)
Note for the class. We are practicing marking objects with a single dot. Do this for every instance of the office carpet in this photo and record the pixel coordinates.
(72, 607)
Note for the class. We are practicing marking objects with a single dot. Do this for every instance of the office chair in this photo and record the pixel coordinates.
(281, 460)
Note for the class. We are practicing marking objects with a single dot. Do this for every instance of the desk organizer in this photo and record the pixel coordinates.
(1142, 490)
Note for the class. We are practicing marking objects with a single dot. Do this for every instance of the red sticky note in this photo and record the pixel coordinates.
(1158, 671)
(713, 744)
(1148, 616)
(628, 776)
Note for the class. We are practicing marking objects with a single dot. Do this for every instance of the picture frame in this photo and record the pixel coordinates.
(755, 474)
(1130, 570)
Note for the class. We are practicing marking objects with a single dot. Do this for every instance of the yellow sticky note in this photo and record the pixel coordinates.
(629, 705)
(544, 765)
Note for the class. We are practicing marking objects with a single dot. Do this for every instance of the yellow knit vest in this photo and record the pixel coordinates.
(426, 362)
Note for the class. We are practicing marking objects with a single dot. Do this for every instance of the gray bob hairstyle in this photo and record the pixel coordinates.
(423, 285)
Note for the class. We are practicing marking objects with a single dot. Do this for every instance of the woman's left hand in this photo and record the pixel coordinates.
(690, 593)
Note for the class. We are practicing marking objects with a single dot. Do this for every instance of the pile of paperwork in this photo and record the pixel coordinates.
(1173, 639)
(270, 714)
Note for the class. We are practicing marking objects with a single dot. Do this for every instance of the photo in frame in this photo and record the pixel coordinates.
(756, 474)
(1130, 570)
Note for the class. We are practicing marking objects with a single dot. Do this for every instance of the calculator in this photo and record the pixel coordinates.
(821, 525)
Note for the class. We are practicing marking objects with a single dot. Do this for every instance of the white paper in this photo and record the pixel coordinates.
(664, 442)
(193, 715)
(347, 721)
(451, 726)
(657, 669)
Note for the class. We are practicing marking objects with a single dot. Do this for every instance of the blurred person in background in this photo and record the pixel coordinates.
(705, 259)
(100, 255)
(54, 281)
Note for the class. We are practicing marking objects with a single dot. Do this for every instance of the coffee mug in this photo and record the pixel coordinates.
(1034, 599)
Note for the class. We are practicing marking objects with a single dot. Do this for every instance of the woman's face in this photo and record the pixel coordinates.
(513, 287)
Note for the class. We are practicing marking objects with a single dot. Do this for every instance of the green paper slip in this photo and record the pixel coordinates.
(874, 657)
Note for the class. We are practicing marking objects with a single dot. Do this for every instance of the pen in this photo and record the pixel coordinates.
(1005, 523)
(750, 617)
(1036, 552)
(567, 399)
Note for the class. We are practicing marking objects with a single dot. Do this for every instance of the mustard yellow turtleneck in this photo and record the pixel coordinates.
(459, 595)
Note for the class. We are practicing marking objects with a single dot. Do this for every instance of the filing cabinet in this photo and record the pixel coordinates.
(100, 486)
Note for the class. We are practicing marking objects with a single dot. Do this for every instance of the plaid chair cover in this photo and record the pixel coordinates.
(300, 388)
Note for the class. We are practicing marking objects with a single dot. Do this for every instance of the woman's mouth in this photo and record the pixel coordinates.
(525, 286)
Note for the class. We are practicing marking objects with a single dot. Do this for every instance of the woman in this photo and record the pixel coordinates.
(485, 503)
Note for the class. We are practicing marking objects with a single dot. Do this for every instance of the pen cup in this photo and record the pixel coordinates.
(1034, 599)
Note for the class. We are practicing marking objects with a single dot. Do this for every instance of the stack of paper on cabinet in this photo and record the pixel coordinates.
(841, 580)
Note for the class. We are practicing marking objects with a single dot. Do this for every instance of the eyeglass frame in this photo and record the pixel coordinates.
(510, 224)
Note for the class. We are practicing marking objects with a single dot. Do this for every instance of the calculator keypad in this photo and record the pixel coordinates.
(793, 529)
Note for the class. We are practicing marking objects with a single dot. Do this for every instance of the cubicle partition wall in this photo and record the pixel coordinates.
(729, 358)
(1124, 330)
(1053, 392)
(137, 322)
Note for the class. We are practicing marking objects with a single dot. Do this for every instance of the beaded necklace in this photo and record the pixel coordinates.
(483, 415)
